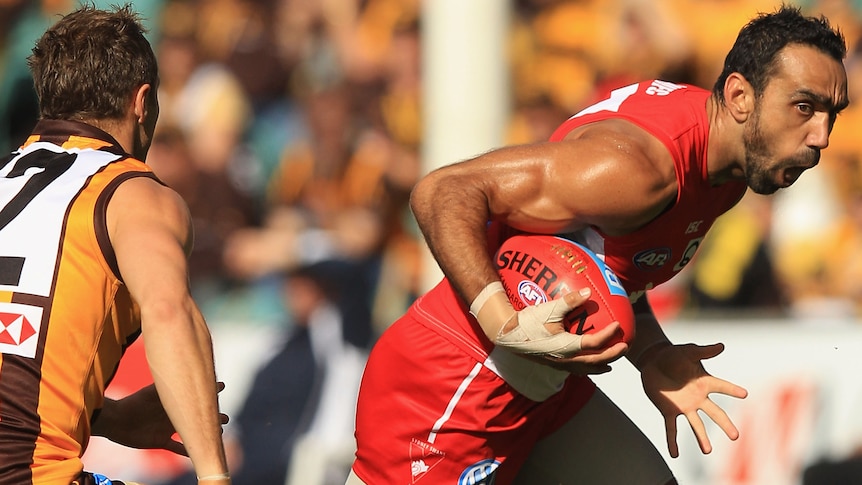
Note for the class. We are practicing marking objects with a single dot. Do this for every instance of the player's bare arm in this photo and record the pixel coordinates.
(151, 241)
(602, 176)
(611, 175)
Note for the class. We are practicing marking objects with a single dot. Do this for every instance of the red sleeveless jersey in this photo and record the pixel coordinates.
(676, 115)
(442, 430)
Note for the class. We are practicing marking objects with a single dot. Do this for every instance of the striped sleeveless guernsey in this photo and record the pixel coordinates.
(65, 315)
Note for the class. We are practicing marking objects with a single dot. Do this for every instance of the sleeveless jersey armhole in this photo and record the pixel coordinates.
(100, 218)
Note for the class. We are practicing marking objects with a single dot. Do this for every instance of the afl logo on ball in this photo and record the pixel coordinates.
(481, 473)
(531, 293)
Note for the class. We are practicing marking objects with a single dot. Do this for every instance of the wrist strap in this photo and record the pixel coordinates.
(214, 478)
(531, 337)
(484, 295)
(492, 309)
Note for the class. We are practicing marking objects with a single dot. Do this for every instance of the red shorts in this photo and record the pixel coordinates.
(429, 410)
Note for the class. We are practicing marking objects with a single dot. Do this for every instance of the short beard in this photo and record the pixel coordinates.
(757, 176)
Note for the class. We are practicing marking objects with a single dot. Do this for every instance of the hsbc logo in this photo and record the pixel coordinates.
(19, 329)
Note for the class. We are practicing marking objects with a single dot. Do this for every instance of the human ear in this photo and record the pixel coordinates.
(739, 96)
(140, 102)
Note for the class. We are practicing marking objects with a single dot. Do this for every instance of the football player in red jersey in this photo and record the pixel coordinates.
(639, 178)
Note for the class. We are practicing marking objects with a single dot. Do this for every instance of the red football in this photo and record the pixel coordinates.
(537, 268)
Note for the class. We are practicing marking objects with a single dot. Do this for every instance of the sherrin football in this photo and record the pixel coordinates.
(537, 268)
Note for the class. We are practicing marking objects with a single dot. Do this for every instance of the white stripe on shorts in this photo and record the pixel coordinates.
(453, 402)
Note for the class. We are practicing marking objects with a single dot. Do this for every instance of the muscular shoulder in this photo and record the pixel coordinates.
(142, 204)
(627, 176)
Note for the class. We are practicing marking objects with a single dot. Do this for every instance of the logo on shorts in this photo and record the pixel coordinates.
(423, 457)
(101, 479)
(481, 473)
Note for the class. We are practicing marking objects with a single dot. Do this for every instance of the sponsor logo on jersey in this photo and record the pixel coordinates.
(662, 88)
(481, 473)
(688, 254)
(693, 227)
(652, 259)
(19, 329)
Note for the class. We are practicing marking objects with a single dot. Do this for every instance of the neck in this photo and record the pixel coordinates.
(120, 130)
(725, 150)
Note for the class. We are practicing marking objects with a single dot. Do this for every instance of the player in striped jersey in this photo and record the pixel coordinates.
(93, 254)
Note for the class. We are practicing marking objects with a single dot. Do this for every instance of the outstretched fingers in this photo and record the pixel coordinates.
(728, 388)
(720, 417)
(699, 430)
(670, 434)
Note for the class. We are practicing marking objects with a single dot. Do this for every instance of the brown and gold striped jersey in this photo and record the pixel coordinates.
(65, 315)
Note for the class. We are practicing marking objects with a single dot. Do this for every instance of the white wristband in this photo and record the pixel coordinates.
(482, 297)
(220, 476)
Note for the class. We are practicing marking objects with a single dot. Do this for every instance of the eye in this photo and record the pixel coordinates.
(805, 109)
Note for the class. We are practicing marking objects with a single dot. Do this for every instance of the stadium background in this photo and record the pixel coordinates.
(295, 129)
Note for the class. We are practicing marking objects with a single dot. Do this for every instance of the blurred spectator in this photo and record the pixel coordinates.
(22, 22)
(534, 120)
(842, 269)
(293, 130)
(200, 148)
(563, 49)
(710, 27)
(342, 187)
(218, 208)
(296, 423)
(204, 99)
(734, 271)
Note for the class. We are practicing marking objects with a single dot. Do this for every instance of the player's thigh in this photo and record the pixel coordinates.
(599, 445)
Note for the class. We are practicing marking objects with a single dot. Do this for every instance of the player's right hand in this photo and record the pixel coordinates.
(595, 355)
(675, 380)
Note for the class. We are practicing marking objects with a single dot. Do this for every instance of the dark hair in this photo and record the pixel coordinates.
(88, 64)
(754, 53)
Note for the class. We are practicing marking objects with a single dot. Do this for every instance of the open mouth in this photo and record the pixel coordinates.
(791, 175)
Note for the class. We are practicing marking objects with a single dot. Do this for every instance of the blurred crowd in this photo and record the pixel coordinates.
(293, 127)
(293, 130)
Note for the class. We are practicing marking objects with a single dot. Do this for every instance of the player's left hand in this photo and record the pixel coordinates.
(676, 382)
(140, 421)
